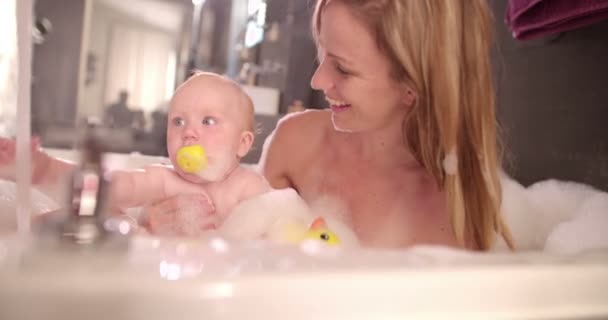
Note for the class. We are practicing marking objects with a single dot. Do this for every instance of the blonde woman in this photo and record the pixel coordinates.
(408, 151)
(408, 147)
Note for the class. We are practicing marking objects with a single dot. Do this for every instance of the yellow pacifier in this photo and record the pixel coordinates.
(191, 159)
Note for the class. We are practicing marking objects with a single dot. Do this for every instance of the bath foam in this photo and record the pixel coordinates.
(575, 214)
(519, 215)
(555, 216)
(41, 203)
(271, 214)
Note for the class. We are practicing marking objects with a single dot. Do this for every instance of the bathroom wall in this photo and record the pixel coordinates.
(552, 95)
(156, 23)
(552, 92)
(553, 104)
(56, 63)
(140, 57)
(294, 50)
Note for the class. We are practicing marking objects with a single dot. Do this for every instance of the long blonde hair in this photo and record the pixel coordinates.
(441, 48)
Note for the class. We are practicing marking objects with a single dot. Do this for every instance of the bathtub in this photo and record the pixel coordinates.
(112, 160)
(210, 278)
(165, 279)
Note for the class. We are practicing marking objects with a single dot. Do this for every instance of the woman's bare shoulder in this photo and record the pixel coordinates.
(309, 124)
(295, 140)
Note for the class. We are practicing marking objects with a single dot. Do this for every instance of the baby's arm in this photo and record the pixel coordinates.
(137, 188)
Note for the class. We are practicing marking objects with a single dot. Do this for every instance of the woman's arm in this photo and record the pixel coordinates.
(271, 165)
(46, 169)
(282, 149)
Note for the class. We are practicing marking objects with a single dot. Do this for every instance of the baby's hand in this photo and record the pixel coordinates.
(8, 150)
(181, 215)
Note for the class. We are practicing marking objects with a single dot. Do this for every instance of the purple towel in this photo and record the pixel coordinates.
(529, 19)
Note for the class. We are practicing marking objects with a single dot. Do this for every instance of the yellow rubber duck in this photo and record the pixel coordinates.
(191, 159)
(295, 232)
(318, 231)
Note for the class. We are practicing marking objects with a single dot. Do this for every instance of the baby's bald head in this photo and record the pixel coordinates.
(219, 91)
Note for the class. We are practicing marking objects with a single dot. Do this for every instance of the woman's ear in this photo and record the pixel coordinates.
(245, 143)
(409, 96)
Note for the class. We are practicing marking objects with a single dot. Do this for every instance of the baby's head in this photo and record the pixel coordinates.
(214, 112)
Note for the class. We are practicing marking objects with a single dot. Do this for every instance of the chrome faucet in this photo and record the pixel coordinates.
(88, 222)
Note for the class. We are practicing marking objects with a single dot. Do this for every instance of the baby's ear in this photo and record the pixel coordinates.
(245, 143)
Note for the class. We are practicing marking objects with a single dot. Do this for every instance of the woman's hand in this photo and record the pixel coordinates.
(8, 156)
(8, 149)
(180, 215)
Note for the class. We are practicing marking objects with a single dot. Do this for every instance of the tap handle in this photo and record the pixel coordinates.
(88, 181)
(85, 223)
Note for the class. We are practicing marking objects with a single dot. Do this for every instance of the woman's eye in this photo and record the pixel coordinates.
(341, 70)
(209, 121)
(178, 122)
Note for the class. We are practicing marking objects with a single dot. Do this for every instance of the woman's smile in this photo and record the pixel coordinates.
(337, 105)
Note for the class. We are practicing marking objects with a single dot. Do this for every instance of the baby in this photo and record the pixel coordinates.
(207, 110)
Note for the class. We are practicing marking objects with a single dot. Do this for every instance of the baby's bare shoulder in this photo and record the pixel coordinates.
(243, 175)
(253, 176)
(249, 182)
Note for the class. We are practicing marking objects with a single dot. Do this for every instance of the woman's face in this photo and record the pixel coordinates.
(354, 75)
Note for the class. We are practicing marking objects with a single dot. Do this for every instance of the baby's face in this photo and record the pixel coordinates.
(214, 114)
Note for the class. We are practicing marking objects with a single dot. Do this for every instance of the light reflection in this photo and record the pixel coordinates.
(219, 245)
(218, 290)
(170, 271)
(124, 227)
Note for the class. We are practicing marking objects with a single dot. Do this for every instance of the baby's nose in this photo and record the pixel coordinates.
(190, 134)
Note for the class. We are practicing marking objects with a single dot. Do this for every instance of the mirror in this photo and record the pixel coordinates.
(88, 51)
(117, 63)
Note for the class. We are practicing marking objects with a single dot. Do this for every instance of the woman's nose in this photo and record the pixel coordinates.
(321, 79)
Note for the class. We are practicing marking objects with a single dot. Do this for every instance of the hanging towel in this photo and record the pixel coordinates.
(530, 19)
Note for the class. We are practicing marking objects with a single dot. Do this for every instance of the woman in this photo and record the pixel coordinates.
(408, 149)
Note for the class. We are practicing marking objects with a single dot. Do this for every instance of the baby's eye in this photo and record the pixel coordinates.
(178, 122)
(209, 121)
